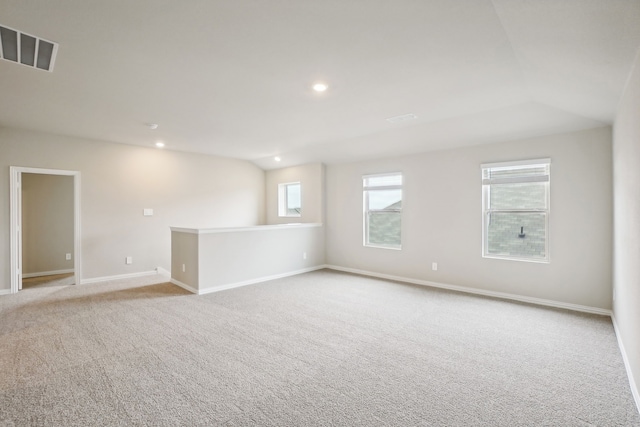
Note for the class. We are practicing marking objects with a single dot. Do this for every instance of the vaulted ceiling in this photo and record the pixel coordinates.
(234, 78)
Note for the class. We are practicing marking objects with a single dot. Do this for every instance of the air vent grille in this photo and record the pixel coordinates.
(21, 48)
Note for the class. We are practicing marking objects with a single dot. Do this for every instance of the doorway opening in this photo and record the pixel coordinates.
(35, 180)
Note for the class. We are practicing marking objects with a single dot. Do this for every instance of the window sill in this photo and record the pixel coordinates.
(394, 248)
(535, 261)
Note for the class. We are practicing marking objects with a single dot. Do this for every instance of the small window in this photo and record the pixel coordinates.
(289, 199)
(515, 198)
(382, 196)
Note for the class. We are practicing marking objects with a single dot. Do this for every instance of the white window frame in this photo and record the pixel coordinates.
(366, 210)
(283, 202)
(487, 210)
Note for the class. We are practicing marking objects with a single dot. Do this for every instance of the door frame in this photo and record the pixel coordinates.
(15, 206)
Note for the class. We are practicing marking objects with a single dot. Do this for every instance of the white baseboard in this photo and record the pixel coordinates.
(632, 383)
(5, 291)
(184, 286)
(47, 273)
(502, 295)
(257, 280)
(117, 277)
(161, 271)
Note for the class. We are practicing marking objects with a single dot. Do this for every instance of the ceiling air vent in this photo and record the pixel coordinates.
(24, 49)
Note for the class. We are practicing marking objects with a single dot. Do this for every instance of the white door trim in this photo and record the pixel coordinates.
(15, 173)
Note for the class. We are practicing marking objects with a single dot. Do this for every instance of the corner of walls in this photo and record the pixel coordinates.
(118, 182)
(626, 235)
(47, 224)
(312, 179)
(476, 291)
(442, 221)
(633, 384)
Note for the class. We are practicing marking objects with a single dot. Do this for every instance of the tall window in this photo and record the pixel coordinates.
(382, 196)
(516, 210)
(289, 199)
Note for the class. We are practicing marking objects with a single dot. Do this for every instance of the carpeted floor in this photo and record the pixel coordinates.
(319, 349)
(51, 280)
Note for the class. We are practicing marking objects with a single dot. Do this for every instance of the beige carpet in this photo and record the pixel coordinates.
(50, 280)
(320, 349)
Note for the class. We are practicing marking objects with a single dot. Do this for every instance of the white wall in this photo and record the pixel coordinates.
(442, 219)
(626, 260)
(311, 178)
(216, 259)
(184, 251)
(118, 182)
(47, 223)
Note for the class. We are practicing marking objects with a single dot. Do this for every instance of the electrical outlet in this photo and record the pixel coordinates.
(184, 268)
(128, 260)
(434, 266)
(304, 255)
(67, 257)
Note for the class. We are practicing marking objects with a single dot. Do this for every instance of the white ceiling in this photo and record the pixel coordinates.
(233, 78)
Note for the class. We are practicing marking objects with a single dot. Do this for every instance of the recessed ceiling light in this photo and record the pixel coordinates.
(277, 159)
(152, 126)
(320, 87)
(159, 144)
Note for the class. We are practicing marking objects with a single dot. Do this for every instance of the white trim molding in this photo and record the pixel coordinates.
(117, 277)
(5, 291)
(209, 290)
(15, 208)
(545, 161)
(184, 286)
(249, 228)
(501, 295)
(632, 383)
(47, 273)
(161, 271)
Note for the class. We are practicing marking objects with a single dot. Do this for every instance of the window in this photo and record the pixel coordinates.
(382, 196)
(515, 199)
(289, 199)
